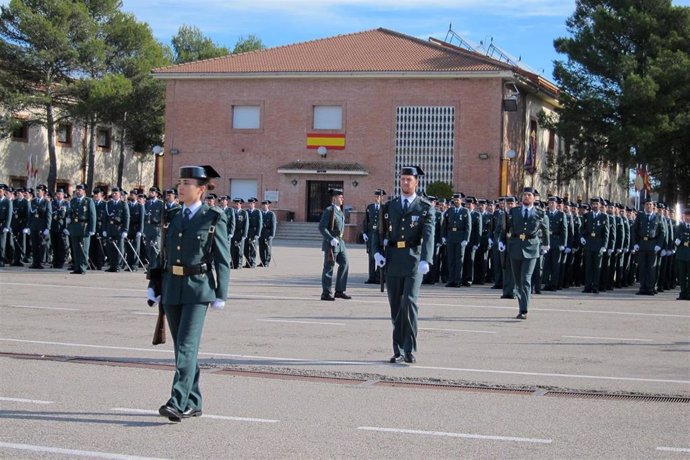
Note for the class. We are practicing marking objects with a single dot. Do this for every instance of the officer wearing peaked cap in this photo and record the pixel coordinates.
(682, 245)
(269, 225)
(254, 217)
(60, 211)
(526, 238)
(332, 227)
(648, 239)
(594, 237)
(115, 226)
(153, 217)
(194, 268)
(372, 220)
(5, 222)
(40, 220)
(81, 226)
(405, 245)
(456, 233)
(240, 234)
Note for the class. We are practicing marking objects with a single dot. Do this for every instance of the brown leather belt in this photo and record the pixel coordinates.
(181, 270)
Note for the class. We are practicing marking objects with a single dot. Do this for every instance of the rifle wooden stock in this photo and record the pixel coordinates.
(159, 331)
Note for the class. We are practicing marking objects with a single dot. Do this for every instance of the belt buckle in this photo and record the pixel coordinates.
(178, 270)
(593, 234)
(645, 239)
(522, 237)
(686, 244)
(400, 245)
(455, 229)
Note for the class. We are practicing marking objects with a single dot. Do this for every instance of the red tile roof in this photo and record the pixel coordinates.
(378, 50)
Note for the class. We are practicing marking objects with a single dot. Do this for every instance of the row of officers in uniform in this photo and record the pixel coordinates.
(600, 245)
(122, 232)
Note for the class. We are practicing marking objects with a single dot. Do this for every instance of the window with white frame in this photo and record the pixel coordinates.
(328, 117)
(246, 117)
(425, 137)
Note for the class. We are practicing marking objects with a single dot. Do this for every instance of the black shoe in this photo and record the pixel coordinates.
(327, 297)
(587, 291)
(191, 413)
(539, 292)
(396, 358)
(112, 270)
(497, 286)
(595, 291)
(409, 357)
(452, 285)
(466, 284)
(371, 282)
(77, 272)
(16, 264)
(173, 414)
(521, 316)
(342, 295)
(507, 296)
(36, 267)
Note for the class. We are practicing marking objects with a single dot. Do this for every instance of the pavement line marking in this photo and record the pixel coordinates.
(455, 330)
(216, 417)
(560, 310)
(31, 401)
(457, 435)
(225, 355)
(605, 338)
(546, 374)
(299, 322)
(673, 449)
(40, 308)
(71, 452)
(354, 363)
(72, 286)
(145, 313)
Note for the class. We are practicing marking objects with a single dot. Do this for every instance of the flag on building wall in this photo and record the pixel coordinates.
(330, 141)
(531, 155)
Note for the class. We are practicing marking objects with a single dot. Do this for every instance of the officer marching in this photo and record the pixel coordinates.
(194, 270)
(332, 226)
(527, 237)
(405, 245)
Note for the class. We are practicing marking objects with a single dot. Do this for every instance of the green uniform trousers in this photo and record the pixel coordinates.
(402, 297)
(522, 274)
(186, 323)
(683, 270)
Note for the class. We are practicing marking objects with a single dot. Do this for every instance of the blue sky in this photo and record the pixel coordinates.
(524, 28)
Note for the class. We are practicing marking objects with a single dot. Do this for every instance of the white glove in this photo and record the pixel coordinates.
(138, 235)
(365, 237)
(677, 240)
(561, 248)
(636, 248)
(568, 250)
(657, 248)
(463, 243)
(609, 251)
(583, 241)
(501, 246)
(475, 247)
(544, 251)
(663, 253)
(443, 240)
(218, 304)
(423, 267)
(92, 233)
(602, 250)
(66, 232)
(380, 260)
(545, 248)
(124, 234)
(26, 231)
(334, 242)
(150, 295)
(385, 242)
(491, 242)
(626, 250)
(104, 234)
(5, 230)
(46, 232)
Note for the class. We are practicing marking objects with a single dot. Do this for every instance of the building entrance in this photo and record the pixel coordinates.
(318, 197)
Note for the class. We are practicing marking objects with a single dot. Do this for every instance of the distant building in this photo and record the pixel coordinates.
(24, 157)
(288, 123)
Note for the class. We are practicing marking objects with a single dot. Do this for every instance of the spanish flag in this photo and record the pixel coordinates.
(330, 141)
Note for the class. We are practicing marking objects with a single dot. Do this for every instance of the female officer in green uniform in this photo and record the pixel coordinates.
(195, 269)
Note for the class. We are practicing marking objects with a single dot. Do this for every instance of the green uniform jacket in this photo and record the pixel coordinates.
(457, 225)
(270, 225)
(187, 246)
(415, 229)
(558, 228)
(81, 219)
(335, 230)
(682, 233)
(116, 218)
(648, 232)
(255, 223)
(241, 225)
(40, 214)
(5, 213)
(60, 212)
(153, 215)
(526, 237)
(595, 231)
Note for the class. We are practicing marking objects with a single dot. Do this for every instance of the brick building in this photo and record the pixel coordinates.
(287, 123)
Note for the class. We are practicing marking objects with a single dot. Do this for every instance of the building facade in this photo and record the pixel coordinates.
(288, 123)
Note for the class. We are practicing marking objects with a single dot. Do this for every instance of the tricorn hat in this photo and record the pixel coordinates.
(198, 172)
(411, 171)
(379, 192)
(335, 192)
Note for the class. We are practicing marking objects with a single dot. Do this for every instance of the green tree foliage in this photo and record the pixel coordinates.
(626, 88)
(190, 45)
(440, 190)
(250, 43)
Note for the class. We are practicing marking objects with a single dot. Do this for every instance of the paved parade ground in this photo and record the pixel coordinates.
(286, 375)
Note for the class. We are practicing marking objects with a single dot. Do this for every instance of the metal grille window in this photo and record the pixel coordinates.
(425, 136)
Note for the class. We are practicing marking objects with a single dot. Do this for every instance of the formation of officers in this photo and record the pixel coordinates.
(598, 246)
(118, 232)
